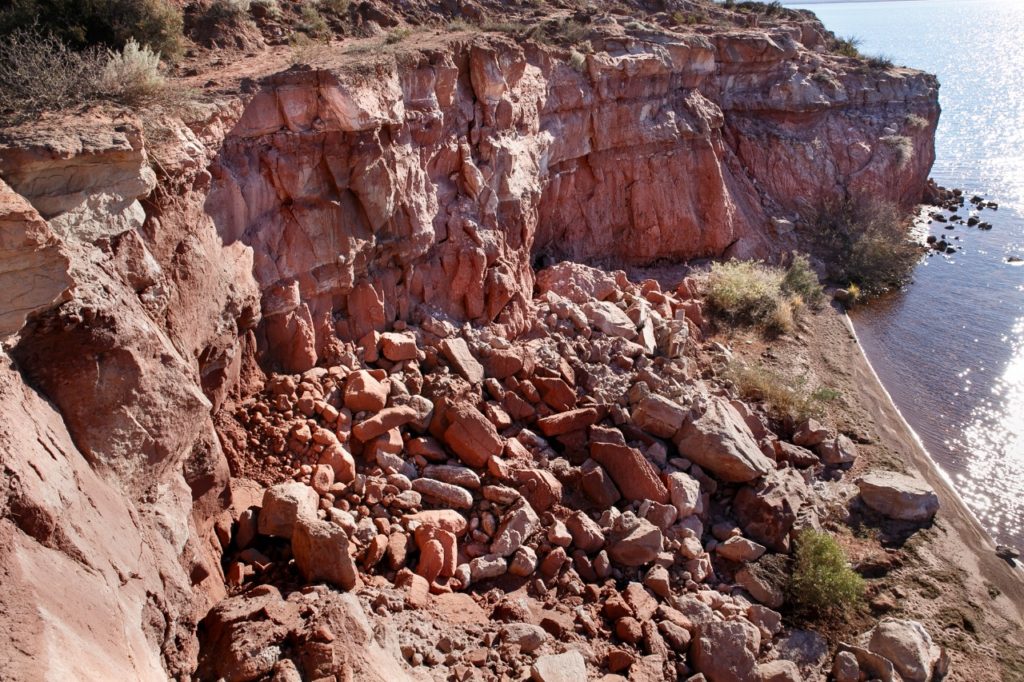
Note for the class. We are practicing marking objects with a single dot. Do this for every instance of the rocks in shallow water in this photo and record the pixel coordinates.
(720, 442)
(1007, 553)
(898, 496)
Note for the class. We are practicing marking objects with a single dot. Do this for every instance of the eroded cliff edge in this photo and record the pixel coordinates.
(326, 203)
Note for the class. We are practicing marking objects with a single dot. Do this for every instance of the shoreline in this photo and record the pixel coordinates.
(951, 565)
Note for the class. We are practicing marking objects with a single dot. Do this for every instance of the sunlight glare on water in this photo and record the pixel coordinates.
(950, 348)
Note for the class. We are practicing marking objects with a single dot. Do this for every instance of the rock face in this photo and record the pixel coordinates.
(322, 207)
(726, 651)
(376, 235)
(898, 496)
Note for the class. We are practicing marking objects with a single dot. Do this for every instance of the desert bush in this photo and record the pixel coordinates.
(822, 583)
(749, 292)
(902, 145)
(268, 8)
(335, 8)
(82, 24)
(228, 11)
(397, 36)
(785, 397)
(847, 47)
(915, 121)
(577, 60)
(38, 72)
(132, 76)
(801, 280)
(312, 23)
(864, 242)
(880, 61)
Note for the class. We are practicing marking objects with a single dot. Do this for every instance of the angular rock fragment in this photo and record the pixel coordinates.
(720, 442)
(284, 505)
(898, 496)
(321, 551)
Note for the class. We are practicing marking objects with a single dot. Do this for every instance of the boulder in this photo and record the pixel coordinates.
(836, 451)
(810, 434)
(634, 542)
(458, 354)
(528, 637)
(740, 550)
(519, 522)
(321, 552)
(586, 534)
(908, 646)
(684, 491)
(471, 435)
(768, 511)
(608, 318)
(726, 651)
(720, 442)
(363, 392)
(341, 461)
(398, 346)
(598, 485)
(658, 416)
(636, 478)
(898, 496)
(283, 505)
(443, 494)
(567, 667)
(567, 422)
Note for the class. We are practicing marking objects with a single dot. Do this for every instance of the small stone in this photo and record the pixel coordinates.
(567, 667)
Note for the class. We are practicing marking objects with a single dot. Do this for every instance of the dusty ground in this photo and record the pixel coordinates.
(946, 575)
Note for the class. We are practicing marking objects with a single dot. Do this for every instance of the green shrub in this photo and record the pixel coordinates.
(228, 11)
(312, 23)
(748, 292)
(880, 61)
(801, 280)
(864, 242)
(785, 397)
(847, 47)
(81, 24)
(822, 584)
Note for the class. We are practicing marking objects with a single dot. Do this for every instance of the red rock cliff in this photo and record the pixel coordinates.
(334, 202)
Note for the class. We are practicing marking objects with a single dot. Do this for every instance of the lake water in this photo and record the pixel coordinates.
(950, 347)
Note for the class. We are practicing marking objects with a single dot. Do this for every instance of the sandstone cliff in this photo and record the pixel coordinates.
(280, 221)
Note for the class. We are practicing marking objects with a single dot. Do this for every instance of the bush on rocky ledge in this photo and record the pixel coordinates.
(39, 72)
(749, 292)
(822, 584)
(864, 242)
(784, 396)
(97, 23)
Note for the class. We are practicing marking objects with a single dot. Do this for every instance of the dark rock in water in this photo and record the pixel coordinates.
(940, 245)
(984, 226)
(976, 199)
(972, 221)
(1015, 259)
(950, 250)
(950, 227)
(993, 205)
(955, 217)
(938, 217)
(1007, 553)
(958, 192)
(931, 239)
